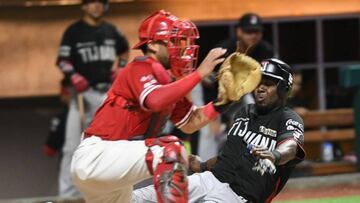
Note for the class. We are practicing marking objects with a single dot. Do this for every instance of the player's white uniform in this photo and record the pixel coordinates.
(110, 168)
(107, 164)
(203, 187)
(92, 100)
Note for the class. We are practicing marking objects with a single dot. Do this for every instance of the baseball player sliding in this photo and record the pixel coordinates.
(263, 146)
(120, 147)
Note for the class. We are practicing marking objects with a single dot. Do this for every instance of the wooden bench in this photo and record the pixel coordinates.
(336, 125)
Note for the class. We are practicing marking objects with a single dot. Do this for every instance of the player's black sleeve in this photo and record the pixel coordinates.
(66, 47)
(122, 44)
(292, 127)
(65, 59)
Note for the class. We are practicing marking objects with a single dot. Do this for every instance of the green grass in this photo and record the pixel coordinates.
(346, 199)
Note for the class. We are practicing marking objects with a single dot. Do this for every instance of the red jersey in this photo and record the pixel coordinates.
(123, 114)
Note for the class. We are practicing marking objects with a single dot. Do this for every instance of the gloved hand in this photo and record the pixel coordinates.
(79, 82)
(238, 75)
(263, 164)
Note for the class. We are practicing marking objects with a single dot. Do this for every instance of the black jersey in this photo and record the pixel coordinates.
(92, 49)
(234, 164)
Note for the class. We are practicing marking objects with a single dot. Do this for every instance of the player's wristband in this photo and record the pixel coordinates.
(222, 108)
(210, 111)
(203, 166)
(277, 156)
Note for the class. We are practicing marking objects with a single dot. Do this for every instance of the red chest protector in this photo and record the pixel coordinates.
(158, 119)
(122, 118)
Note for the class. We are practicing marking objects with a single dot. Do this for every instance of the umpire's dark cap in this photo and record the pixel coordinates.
(250, 22)
(90, 1)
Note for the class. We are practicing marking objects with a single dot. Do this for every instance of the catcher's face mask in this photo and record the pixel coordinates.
(178, 36)
(183, 51)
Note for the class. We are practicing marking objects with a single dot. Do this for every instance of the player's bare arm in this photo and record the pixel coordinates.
(199, 118)
(197, 166)
(284, 153)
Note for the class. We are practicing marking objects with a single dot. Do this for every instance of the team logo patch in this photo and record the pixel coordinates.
(268, 131)
(253, 20)
(241, 129)
(110, 42)
(146, 78)
(293, 124)
(263, 65)
(150, 83)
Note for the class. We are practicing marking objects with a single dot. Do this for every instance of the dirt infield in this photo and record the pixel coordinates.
(315, 193)
(321, 187)
(296, 189)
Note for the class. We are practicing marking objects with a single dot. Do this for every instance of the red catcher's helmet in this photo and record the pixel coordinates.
(179, 37)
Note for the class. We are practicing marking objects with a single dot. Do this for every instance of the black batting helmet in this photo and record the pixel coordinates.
(281, 71)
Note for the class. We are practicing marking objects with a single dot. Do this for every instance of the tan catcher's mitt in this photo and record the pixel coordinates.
(238, 75)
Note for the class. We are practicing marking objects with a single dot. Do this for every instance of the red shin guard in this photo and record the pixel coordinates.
(170, 175)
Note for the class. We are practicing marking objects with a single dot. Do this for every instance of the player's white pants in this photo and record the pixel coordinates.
(92, 100)
(105, 171)
(203, 187)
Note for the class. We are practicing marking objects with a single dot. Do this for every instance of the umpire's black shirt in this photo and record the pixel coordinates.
(234, 165)
(259, 52)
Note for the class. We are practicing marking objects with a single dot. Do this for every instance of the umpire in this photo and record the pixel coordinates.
(275, 131)
(91, 50)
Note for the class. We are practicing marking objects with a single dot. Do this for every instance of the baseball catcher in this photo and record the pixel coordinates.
(121, 146)
(263, 146)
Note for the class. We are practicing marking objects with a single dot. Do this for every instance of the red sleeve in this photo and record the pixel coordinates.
(138, 80)
(150, 89)
(163, 96)
(182, 112)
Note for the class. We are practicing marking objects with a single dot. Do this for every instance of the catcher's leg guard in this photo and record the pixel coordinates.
(169, 176)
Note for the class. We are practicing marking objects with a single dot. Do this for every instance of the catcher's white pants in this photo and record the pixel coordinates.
(92, 100)
(105, 171)
(203, 187)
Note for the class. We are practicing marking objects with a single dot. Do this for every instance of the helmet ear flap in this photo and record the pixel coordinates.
(283, 89)
(280, 70)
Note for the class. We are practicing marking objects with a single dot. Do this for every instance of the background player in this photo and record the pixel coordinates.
(249, 33)
(277, 134)
(109, 161)
(89, 50)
